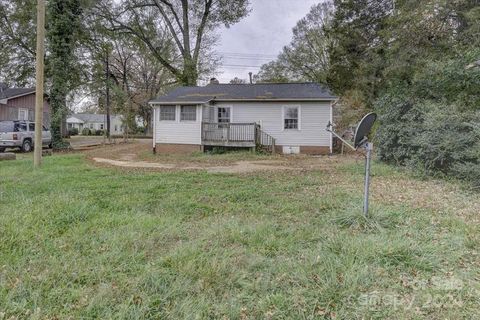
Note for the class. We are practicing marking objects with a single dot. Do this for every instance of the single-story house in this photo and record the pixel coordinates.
(19, 104)
(95, 122)
(280, 117)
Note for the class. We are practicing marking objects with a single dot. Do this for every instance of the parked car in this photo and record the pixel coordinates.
(20, 134)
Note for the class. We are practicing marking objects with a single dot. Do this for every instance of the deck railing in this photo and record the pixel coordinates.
(264, 140)
(228, 132)
(237, 135)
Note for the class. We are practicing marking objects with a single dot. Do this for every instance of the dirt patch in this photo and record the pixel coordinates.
(250, 166)
(133, 164)
(238, 167)
(138, 154)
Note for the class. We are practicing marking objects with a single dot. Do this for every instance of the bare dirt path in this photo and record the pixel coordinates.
(237, 167)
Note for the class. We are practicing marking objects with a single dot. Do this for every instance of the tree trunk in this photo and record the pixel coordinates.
(58, 106)
(107, 92)
(190, 73)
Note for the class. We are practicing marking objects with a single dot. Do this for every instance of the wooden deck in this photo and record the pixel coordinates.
(241, 135)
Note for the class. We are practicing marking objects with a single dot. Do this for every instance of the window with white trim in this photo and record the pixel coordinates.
(223, 115)
(167, 113)
(22, 114)
(290, 117)
(188, 113)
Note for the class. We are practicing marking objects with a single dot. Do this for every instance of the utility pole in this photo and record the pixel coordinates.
(40, 66)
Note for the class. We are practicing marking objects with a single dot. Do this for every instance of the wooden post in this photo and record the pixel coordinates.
(228, 132)
(40, 65)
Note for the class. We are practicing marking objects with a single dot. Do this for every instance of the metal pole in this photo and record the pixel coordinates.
(37, 152)
(368, 148)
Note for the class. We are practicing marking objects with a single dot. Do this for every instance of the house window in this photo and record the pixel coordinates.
(116, 128)
(167, 113)
(101, 126)
(290, 117)
(91, 125)
(22, 114)
(223, 115)
(188, 113)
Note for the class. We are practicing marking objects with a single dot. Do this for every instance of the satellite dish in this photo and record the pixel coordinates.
(361, 141)
(363, 129)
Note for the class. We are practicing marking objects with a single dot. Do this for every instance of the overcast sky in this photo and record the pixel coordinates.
(259, 37)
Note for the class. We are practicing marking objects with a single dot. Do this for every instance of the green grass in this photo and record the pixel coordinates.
(81, 242)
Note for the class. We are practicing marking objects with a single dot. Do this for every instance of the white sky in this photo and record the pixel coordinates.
(258, 38)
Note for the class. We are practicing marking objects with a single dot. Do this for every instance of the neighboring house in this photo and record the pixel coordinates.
(95, 122)
(286, 118)
(19, 104)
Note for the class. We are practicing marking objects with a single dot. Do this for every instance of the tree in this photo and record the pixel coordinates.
(190, 24)
(136, 78)
(17, 41)
(62, 33)
(306, 57)
(357, 50)
(237, 80)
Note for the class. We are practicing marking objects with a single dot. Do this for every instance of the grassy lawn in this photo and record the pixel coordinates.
(81, 242)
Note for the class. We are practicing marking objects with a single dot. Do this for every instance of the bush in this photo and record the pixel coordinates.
(86, 132)
(99, 132)
(430, 136)
(73, 132)
(140, 130)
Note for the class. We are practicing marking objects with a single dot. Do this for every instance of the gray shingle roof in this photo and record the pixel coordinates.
(248, 92)
(90, 117)
(6, 92)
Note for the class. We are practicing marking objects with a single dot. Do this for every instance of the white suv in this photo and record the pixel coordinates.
(20, 134)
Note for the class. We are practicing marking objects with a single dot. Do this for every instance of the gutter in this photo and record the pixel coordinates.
(244, 100)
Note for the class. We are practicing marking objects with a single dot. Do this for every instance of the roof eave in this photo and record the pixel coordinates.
(278, 99)
(18, 96)
(244, 100)
(166, 103)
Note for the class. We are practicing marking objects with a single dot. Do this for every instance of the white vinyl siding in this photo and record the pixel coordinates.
(178, 132)
(313, 119)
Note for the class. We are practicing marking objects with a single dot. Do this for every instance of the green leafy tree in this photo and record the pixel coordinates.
(306, 57)
(190, 24)
(357, 50)
(63, 33)
(17, 41)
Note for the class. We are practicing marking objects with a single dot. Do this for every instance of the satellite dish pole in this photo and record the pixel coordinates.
(361, 141)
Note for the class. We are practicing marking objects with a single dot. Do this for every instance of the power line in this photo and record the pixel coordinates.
(249, 54)
(247, 58)
(240, 65)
